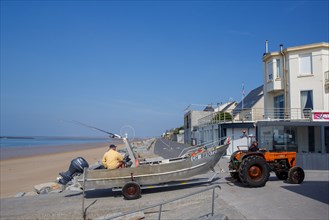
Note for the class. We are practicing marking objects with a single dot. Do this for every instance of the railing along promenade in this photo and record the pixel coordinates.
(256, 114)
(160, 205)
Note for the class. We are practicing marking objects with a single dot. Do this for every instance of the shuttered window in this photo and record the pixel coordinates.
(305, 64)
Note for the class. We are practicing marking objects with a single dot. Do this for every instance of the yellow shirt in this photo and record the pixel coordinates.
(111, 159)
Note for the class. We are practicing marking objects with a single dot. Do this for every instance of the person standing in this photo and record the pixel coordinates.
(254, 147)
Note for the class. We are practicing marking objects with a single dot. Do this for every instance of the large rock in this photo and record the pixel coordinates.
(31, 194)
(74, 185)
(45, 188)
(20, 194)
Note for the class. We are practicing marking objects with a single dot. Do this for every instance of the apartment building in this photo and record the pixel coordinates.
(295, 87)
(290, 112)
(296, 101)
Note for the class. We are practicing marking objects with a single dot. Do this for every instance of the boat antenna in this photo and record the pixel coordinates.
(112, 135)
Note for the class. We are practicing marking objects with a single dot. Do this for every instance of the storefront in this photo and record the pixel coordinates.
(302, 137)
(310, 139)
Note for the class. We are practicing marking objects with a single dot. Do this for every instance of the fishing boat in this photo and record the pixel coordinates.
(147, 173)
(130, 180)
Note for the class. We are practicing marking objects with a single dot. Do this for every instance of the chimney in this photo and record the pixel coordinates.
(281, 48)
(266, 47)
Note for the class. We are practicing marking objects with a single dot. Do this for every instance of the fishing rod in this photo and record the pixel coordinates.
(112, 135)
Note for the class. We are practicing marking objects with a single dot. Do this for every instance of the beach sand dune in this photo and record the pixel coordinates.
(22, 173)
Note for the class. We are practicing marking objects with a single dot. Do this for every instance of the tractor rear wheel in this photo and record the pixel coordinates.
(254, 171)
(296, 175)
(131, 190)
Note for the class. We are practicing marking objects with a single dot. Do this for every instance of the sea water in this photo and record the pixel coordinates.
(12, 142)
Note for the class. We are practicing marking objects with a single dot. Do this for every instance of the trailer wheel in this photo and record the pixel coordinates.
(296, 175)
(254, 171)
(131, 190)
(282, 175)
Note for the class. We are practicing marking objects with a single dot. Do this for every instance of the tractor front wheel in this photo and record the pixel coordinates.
(254, 171)
(296, 175)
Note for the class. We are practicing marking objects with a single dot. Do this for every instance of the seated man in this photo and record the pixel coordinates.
(112, 159)
(254, 147)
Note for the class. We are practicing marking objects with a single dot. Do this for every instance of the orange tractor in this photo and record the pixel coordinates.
(253, 168)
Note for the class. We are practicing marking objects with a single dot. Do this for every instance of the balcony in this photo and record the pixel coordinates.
(274, 85)
(257, 114)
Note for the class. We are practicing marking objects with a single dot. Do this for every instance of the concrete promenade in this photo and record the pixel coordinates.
(277, 200)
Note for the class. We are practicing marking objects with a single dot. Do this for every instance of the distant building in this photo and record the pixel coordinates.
(180, 137)
(232, 120)
(191, 121)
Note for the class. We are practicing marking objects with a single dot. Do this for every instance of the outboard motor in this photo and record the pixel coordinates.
(76, 168)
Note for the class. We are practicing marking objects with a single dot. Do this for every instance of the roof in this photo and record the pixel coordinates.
(250, 100)
(209, 108)
(228, 106)
(324, 45)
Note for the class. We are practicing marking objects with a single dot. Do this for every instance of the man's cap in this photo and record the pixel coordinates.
(112, 146)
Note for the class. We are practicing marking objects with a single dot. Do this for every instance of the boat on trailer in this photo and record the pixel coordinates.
(192, 161)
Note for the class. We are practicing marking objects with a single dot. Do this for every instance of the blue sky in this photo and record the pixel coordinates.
(137, 63)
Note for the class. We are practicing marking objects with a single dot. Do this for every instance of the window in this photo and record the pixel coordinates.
(278, 69)
(306, 102)
(305, 64)
(269, 71)
(279, 107)
(278, 138)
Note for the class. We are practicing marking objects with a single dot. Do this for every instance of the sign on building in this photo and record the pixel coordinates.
(320, 116)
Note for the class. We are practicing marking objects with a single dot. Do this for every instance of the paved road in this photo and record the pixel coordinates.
(277, 200)
(168, 149)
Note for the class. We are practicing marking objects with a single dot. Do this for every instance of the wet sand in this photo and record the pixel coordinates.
(33, 166)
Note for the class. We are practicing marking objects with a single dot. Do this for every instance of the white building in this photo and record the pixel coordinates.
(296, 102)
(191, 122)
(292, 112)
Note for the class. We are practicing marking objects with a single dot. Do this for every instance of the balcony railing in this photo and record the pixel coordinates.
(257, 114)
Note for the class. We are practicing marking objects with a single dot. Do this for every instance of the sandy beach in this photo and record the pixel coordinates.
(22, 173)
